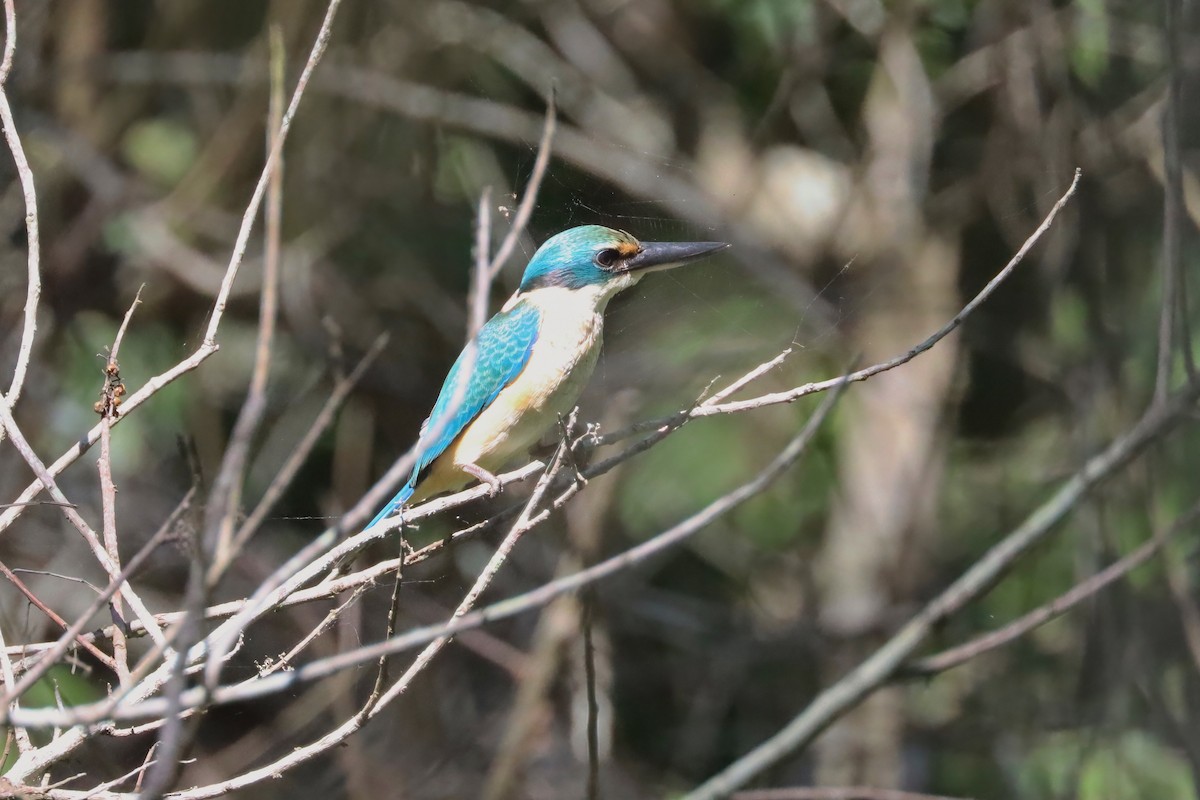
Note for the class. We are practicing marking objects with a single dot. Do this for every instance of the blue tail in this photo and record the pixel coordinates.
(394, 504)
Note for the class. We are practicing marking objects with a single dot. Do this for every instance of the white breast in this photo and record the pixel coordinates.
(568, 344)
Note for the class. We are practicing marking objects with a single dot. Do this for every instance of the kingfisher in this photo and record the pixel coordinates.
(527, 366)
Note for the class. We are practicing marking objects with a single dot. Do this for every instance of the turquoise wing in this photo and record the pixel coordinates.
(502, 349)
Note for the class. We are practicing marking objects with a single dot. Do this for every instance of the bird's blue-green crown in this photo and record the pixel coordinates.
(578, 257)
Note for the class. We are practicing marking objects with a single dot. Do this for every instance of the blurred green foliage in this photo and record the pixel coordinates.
(60, 686)
(1128, 766)
(161, 150)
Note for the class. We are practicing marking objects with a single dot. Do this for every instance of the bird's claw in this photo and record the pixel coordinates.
(486, 478)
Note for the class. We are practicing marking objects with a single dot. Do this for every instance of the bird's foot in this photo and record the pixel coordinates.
(566, 426)
(483, 476)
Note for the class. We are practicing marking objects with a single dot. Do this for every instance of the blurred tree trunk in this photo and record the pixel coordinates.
(82, 29)
(890, 456)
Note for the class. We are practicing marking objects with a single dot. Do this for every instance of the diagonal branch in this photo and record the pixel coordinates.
(791, 395)
(847, 693)
(948, 659)
(529, 198)
(68, 509)
(504, 609)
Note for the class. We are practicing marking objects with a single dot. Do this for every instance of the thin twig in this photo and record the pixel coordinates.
(57, 649)
(10, 40)
(273, 158)
(285, 661)
(152, 387)
(120, 337)
(529, 198)
(146, 762)
(178, 728)
(749, 377)
(482, 581)
(226, 497)
(222, 508)
(12, 578)
(1179, 586)
(39, 469)
(381, 672)
(21, 735)
(33, 289)
(481, 275)
(665, 424)
(299, 455)
(114, 390)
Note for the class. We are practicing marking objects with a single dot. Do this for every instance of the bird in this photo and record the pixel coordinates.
(528, 364)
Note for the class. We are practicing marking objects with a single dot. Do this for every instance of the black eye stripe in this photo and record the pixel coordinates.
(607, 257)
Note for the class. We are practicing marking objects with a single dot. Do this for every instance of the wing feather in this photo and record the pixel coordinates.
(501, 350)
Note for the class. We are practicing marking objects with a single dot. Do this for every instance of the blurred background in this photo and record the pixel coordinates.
(873, 163)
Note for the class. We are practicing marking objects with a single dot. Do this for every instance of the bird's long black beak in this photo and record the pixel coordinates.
(664, 255)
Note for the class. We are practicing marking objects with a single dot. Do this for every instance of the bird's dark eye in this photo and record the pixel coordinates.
(607, 258)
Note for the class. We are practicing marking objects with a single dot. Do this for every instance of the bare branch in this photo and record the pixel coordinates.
(226, 496)
(56, 650)
(955, 656)
(89, 535)
(19, 650)
(10, 40)
(664, 425)
(748, 378)
(497, 611)
(152, 387)
(883, 664)
(35, 762)
(529, 199)
(273, 158)
(33, 243)
(295, 460)
(481, 275)
(484, 579)
(20, 735)
(287, 660)
(112, 395)
(593, 709)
